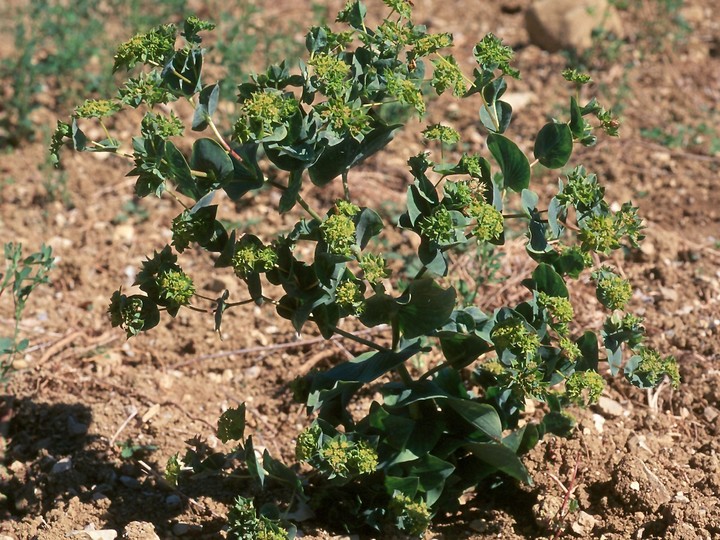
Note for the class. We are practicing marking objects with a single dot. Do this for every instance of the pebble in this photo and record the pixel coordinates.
(610, 407)
(63, 465)
(173, 501)
(75, 427)
(584, 524)
(129, 482)
(186, 529)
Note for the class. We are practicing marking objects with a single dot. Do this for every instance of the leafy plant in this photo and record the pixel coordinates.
(440, 430)
(20, 278)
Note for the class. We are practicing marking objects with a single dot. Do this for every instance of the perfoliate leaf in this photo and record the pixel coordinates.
(207, 104)
(513, 163)
(424, 306)
(553, 145)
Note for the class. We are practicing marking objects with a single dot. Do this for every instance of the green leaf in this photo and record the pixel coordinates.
(254, 466)
(588, 344)
(502, 114)
(501, 458)
(461, 350)
(181, 74)
(481, 415)
(281, 473)
(369, 224)
(212, 159)
(553, 145)
(558, 424)
(432, 472)
(288, 200)
(424, 306)
(513, 163)
(207, 104)
(231, 425)
(247, 175)
(546, 279)
(179, 169)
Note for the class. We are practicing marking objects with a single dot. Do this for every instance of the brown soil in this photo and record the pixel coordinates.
(636, 467)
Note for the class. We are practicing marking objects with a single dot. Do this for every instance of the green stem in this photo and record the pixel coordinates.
(360, 340)
(346, 186)
(308, 209)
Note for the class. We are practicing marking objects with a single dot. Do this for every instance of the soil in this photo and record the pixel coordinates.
(640, 465)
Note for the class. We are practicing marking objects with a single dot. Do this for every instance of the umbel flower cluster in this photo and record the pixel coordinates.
(429, 433)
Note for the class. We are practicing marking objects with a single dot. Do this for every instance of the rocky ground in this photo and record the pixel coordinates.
(640, 465)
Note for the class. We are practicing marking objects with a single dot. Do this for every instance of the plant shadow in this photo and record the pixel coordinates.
(49, 456)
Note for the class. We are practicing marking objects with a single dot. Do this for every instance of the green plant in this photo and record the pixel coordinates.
(20, 278)
(438, 430)
(129, 449)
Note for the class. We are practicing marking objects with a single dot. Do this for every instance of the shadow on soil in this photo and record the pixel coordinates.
(48, 456)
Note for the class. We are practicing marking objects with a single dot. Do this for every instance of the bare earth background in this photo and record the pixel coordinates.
(83, 390)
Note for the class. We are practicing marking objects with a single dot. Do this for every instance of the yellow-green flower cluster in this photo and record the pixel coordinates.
(173, 467)
(431, 43)
(163, 126)
(560, 308)
(491, 54)
(176, 287)
(346, 458)
(405, 91)
(261, 112)
(97, 108)
(349, 296)
(401, 7)
(569, 348)
(338, 231)
(414, 516)
(613, 291)
(447, 75)
(374, 268)
(439, 132)
(342, 117)
(582, 190)
(346, 208)
(252, 258)
(186, 228)
(584, 387)
(306, 446)
(575, 76)
(471, 163)
(145, 88)
(438, 226)
(598, 233)
(513, 335)
(149, 48)
(489, 222)
(654, 367)
(332, 74)
(62, 131)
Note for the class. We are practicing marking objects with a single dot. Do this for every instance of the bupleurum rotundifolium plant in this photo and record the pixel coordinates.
(436, 432)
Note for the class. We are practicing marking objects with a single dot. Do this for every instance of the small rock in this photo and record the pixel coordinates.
(555, 25)
(681, 498)
(252, 372)
(173, 501)
(63, 465)
(610, 407)
(140, 530)
(669, 294)
(584, 524)
(129, 482)
(76, 428)
(186, 529)
(124, 234)
(710, 413)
